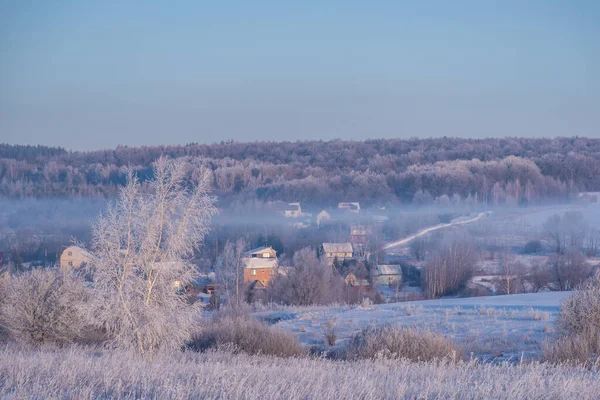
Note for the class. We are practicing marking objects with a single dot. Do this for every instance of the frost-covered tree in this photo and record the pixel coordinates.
(142, 247)
(230, 270)
(310, 281)
(43, 307)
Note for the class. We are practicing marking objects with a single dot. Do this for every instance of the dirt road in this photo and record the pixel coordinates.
(431, 229)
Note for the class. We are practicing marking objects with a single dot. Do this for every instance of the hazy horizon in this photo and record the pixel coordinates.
(94, 75)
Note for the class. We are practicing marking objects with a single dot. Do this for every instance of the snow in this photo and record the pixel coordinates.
(500, 327)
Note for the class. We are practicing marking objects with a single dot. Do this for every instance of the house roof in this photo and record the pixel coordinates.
(359, 230)
(389, 270)
(292, 207)
(260, 249)
(337, 247)
(349, 204)
(81, 251)
(260, 262)
(257, 285)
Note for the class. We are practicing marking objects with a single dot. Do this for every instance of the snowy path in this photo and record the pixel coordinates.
(431, 229)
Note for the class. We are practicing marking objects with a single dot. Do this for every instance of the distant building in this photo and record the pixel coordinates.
(323, 217)
(350, 206)
(359, 234)
(74, 257)
(387, 275)
(341, 251)
(293, 210)
(351, 280)
(259, 265)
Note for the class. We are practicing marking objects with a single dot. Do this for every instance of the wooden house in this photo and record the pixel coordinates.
(74, 257)
(387, 275)
(341, 251)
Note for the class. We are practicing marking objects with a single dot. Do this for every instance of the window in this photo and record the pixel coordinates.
(70, 263)
(70, 253)
(266, 255)
(254, 255)
(253, 272)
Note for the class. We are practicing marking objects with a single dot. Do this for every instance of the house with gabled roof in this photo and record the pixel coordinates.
(387, 275)
(74, 257)
(259, 265)
(293, 210)
(339, 251)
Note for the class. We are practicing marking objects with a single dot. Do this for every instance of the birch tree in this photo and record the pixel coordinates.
(142, 247)
(230, 270)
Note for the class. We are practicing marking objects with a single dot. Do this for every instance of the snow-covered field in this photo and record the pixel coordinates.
(512, 326)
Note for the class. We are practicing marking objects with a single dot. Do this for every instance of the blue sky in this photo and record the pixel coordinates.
(96, 74)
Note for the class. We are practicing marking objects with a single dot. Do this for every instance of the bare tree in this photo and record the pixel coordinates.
(310, 281)
(450, 268)
(230, 270)
(418, 247)
(568, 270)
(566, 232)
(555, 232)
(538, 278)
(142, 246)
(511, 274)
(592, 242)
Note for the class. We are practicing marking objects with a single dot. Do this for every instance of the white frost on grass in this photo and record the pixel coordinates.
(504, 327)
(88, 374)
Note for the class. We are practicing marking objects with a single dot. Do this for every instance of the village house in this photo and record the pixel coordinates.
(350, 206)
(74, 257)
(359, 234)
(259, 266)
(387, 275)
(352, 280)
(323, 217)
(293, 210)
(339, 251)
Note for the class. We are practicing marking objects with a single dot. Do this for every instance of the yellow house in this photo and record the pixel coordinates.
(74, 257)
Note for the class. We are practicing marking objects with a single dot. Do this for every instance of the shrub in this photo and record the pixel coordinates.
(532, 247)
(247, 335)
(395, 342)
(330, 332)
(578, 326)
(44, 306)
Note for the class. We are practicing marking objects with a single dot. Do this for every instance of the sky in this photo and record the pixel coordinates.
(90, 75)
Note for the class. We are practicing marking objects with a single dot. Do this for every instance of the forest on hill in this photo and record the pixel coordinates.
(382, 171)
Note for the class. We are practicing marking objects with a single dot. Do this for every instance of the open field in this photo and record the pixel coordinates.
(499, 327)
(95, 374)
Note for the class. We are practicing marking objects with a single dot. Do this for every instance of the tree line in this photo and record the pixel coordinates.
(510, 170)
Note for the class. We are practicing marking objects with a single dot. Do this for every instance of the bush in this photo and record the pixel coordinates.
(578, 326)
(330, 332)
(532, 247)
(395, 342)
(44, 306)
(247, 335)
